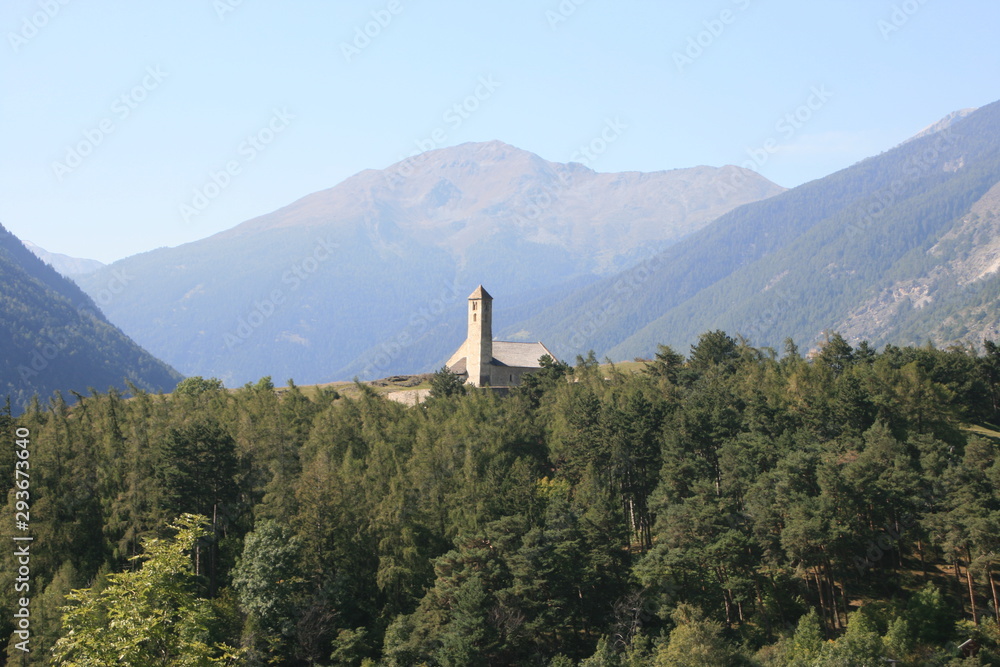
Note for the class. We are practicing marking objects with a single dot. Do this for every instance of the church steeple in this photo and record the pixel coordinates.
(480, 339)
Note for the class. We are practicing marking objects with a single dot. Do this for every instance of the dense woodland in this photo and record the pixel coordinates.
(53, 335)
(736, 506)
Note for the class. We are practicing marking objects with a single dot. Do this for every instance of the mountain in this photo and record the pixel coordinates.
(953, 299)
(64, 264)
(370, 277)
(54, 337)
(902, 248)
(942, 124)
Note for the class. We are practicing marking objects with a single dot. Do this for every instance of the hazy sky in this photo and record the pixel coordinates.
(116, 115)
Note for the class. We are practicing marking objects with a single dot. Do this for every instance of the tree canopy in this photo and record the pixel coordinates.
(730, 507)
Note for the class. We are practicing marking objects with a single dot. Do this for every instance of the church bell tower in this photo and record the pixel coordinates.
(480, 339)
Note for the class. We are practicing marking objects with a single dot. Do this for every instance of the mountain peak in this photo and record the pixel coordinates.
(942, 124)
(482, 149)
(471, 157)
(461, 196)
(493, 147)
(480, 212)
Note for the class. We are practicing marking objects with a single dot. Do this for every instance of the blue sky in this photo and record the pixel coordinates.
(118, 114)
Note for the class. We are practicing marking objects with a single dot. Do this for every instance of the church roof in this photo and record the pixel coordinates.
(506, 353)
(519, 355)
(480, 293)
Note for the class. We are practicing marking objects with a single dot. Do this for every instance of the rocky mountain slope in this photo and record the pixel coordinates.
(898, 248)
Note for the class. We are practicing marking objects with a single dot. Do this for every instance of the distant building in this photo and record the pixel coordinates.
(487, 362)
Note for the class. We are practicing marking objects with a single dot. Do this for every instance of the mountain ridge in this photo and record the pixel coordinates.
(432, 213)
(64, 264)
(355, 265)
(790, 265)
(53, 337)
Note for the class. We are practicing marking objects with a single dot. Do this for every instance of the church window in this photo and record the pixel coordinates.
(473, 317)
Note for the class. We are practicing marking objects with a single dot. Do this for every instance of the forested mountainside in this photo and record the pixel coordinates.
(54, 337)
(728, 507)
(899, 248)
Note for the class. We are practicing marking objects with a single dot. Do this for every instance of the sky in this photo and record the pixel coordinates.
(135, 125)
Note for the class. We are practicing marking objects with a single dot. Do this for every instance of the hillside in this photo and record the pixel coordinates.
(748, 510)
(898, 248)
(64, 264)
(54, 337)
(369, 278)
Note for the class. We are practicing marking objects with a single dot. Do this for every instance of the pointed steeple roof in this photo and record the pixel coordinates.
(480, 293)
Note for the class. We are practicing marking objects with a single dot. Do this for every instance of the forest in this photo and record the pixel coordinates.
(52, 335)
(732, 505)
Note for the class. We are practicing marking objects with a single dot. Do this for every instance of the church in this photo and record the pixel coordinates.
(492, 363)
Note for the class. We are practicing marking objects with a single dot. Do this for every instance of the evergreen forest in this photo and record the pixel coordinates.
(724, 505)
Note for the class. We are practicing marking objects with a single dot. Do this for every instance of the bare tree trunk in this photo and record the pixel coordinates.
(972, 593)
(828, 575)
(720, 574)
(899, 544)
(993, 588)
(958, 582)
(214, 551)
(923, 564)
(632, 519)
(822, 604)
(843, 597)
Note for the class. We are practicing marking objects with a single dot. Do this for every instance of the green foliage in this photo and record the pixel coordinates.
(807, 642)
(262, 386)
(667, 364)
(197, 385)
(604, 517)
(349, 648)
(836, 354)
(264, 579)
(604, 655)
(715, 348)
(552, 373)
(898, 640)
(150, 616)
(930, 616)
(445, 384)
(696, 642)
(200, 469)
(861, 645)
